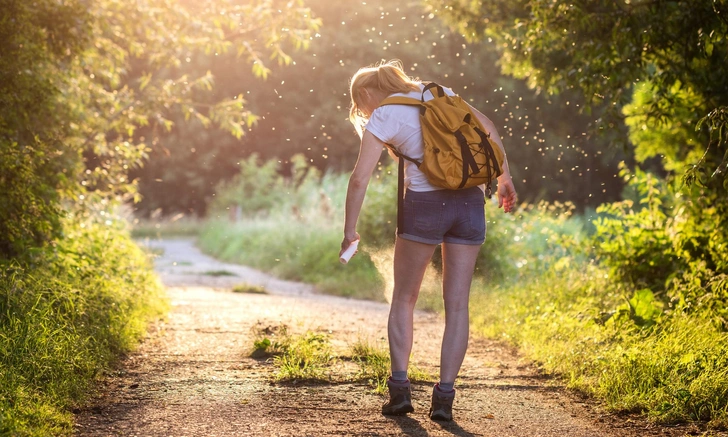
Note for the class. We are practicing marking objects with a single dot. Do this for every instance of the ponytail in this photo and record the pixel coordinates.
(387, 76)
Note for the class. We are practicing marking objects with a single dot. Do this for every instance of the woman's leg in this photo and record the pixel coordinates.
(410, 261)
(457, 274)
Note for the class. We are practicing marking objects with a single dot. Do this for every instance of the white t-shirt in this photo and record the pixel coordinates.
(399, 125)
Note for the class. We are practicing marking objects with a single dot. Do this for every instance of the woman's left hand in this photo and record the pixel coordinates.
(507, 196)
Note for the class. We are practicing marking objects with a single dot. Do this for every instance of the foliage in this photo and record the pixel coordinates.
(65, 318)
(575, 323)
(258, 187)
(91, 86)
(36, 39)
(270, 340)
(602, 48)
(375, 364)
(515, 243)
(656, 242)
(630, 354)
(306, 357)
(634, 235)
(85, 89)
(248, 288)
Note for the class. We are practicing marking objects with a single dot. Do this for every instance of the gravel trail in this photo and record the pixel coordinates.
(194, 375)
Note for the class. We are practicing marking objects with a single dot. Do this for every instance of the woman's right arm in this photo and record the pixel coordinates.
(369, 152)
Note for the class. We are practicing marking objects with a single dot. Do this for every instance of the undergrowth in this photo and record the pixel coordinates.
(310, 357)
(374, 364)
(65, 316)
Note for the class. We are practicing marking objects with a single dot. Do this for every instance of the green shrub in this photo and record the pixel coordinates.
(65, 318)
(637, 329)
(37, 164)
(660, 242)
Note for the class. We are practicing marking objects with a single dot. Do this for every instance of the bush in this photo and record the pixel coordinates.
(37, 165)
(624, 314)
(65, 318)
(663, 242)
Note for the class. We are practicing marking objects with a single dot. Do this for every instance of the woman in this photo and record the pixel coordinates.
(432, 216)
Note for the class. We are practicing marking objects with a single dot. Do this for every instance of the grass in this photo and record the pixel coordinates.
(374, 365)
(159, 227)
(306, 357)
(217, 273)
(269, 341)
(673, 371)
(301, 251)
(65, 318)
(309, 357)
(248, 288)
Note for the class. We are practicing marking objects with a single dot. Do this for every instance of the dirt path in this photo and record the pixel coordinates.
(194, 376)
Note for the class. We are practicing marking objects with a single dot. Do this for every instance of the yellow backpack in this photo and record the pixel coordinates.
(458, 153)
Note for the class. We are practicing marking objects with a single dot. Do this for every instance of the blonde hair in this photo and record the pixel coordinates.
(385, 76)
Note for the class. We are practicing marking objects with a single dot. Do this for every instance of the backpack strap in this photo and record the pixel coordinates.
(400, 196)
(400, 100)
(400, 185)
(429, 86)
(488, 150)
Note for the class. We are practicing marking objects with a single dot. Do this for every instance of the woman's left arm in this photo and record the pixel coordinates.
(369, 152)
(507, 196)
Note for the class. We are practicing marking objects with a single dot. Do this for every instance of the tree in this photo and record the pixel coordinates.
(658, 67)
(86, 76)
(36, 40)
(604, 48)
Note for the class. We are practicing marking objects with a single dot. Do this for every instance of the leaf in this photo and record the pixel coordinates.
(144, 81)
(204, 120)
(644, 308)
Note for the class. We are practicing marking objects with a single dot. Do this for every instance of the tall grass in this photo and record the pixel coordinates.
(574, 321)
(65, 316)
(304, 251)
(291, 227)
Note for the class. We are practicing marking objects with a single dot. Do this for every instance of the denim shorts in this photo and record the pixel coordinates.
(450, 216)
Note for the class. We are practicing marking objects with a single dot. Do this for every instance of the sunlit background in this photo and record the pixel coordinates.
(303, 108)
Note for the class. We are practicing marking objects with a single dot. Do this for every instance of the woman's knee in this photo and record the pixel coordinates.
(405, 298)
(457, 307)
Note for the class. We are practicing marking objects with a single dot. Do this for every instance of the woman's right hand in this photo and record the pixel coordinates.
(348, 239)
